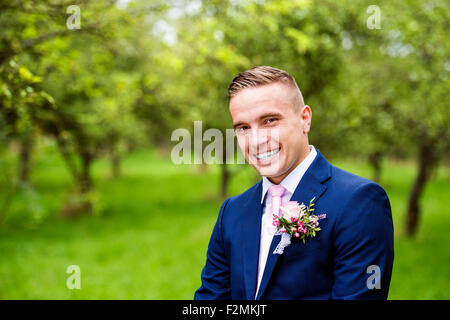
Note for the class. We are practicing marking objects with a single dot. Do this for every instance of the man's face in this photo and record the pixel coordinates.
(272, 133)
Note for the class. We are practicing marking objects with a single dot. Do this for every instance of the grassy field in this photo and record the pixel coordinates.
(150, 241)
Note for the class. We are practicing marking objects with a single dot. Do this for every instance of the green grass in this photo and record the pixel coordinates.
(150, 242)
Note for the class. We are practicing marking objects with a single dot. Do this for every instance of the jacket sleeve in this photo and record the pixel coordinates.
(364, 246)
(216, 272)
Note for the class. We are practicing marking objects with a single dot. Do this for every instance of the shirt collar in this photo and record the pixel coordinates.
(292, 179)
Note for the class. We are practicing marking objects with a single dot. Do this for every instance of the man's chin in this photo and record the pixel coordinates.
(272, 171)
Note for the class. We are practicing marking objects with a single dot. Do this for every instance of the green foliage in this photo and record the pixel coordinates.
(142, 70)
(400, 99)
(20, 98)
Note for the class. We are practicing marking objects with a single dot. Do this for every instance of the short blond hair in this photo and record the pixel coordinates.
(259, 76)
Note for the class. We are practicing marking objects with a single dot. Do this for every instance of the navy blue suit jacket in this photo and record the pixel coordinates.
(341, 262)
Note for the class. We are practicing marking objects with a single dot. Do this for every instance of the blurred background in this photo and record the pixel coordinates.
(90, 95)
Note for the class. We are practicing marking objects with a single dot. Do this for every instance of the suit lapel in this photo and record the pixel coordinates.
(251, 234)
(310, 186)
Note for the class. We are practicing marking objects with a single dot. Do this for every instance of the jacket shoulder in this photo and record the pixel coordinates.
(349, 182)
(246, 196)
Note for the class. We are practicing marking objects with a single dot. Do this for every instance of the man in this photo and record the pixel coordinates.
(349, 258)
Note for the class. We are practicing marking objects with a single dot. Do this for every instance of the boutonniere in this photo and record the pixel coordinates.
(296, 220)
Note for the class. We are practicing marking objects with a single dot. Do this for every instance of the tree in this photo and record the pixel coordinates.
(398, 103)
(414, 55)
(88, 74)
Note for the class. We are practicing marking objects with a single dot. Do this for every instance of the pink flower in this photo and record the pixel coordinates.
(291, 204)
(283, 229)
(292, 209)
(304, 230)
(293, 219)
(293, 229)
(297, 234)
(276, 223)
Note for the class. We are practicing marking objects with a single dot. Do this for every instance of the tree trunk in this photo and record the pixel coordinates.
(85, 181)
(375, 159)
(225, 181)
(66, 155)
(26, 148)
(114, 154)
(203, 167)
(115, 166)
(80, 201)
(427, 162)
(8, 191)
(225, 176)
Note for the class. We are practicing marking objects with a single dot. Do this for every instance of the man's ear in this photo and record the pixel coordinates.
(306, 115)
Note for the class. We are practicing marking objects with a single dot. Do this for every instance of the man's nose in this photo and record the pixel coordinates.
(259, 140)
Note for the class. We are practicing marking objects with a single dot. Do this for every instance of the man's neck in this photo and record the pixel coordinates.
(277, 180)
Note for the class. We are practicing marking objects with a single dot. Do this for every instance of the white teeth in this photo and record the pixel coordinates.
(267, 154)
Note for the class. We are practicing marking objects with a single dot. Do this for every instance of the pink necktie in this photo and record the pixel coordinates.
(276, 192)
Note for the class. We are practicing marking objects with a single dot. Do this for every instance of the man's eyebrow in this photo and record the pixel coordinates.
(271, 114)
(264, 116)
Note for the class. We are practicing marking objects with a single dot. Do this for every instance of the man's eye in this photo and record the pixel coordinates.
(269, 121)
(241, 130)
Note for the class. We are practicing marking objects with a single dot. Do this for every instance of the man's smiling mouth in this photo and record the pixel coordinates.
(267, 155)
